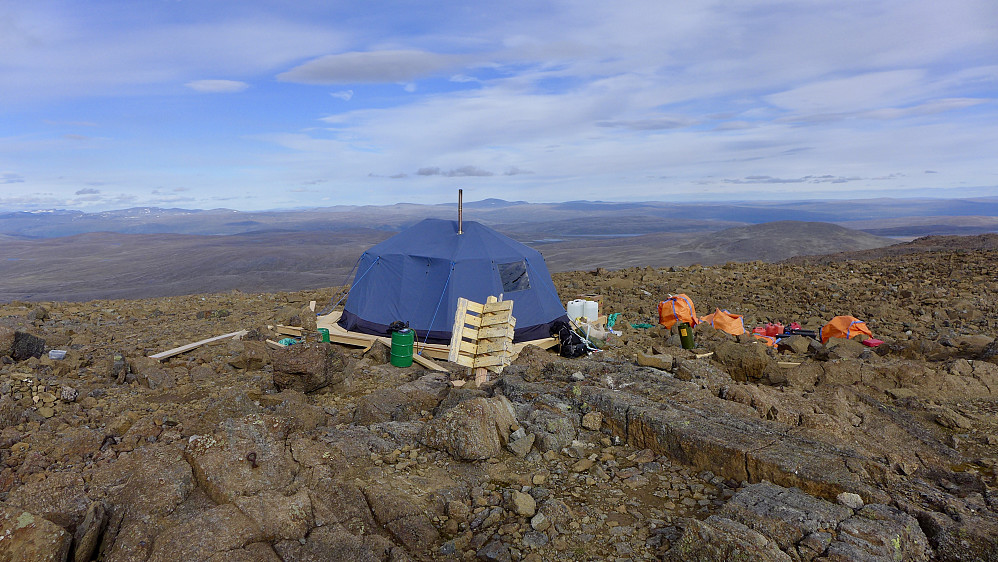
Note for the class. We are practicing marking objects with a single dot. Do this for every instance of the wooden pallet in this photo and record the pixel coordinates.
(422, 351)
(482, 336)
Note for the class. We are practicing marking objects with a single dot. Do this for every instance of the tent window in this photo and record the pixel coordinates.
(514, 276)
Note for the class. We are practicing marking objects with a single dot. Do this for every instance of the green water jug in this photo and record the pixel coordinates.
(402, 341)
(686, 335)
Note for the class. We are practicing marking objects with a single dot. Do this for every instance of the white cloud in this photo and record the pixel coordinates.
(370, 67)
(217, 86)
(345, 95)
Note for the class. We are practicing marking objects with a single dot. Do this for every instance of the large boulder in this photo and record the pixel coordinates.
(473, 430)
(308, 367)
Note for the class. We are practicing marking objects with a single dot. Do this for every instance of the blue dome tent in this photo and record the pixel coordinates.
(417, 276)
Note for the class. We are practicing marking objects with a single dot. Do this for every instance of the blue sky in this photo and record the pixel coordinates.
(256, 105)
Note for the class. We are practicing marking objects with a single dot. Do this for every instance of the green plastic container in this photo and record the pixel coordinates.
(324, 335)
(686, 335)
(402, 341)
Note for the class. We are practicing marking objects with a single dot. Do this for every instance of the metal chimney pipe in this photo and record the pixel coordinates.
(460, 211)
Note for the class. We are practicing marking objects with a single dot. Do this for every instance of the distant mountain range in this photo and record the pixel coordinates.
(890, 217)
(149, 252)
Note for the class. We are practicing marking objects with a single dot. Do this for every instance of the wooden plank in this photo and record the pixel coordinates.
(497, 306)
(475, 307)
(496, 332)
(289, 330)
(493, 346)
(311, 305)
(276, 344)
(359, 340)
(465, 361)
(178, 350)
(543, 343)
(491, 319)
(492, 360)
(428, 363)
(457, 330)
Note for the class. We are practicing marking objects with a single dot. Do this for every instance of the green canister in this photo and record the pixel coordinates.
(686, 335)
(402, 341)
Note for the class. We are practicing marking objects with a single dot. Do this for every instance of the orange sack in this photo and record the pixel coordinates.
(725, 321)
(676, 309)
(846, 327)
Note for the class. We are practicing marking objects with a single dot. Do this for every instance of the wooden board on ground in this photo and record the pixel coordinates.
(425, 351)
(178, 350)
(295, 331)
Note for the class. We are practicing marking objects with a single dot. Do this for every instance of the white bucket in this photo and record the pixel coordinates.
(590, 310)
(576, 309)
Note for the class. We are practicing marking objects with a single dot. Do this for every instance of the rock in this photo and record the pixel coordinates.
(879, 532)
(718, 538)
(850, 500)
(952, 420)
(473, 430)
(88, 532)
(406, 522)
(331, 542)
(540, 522)
(30, 537)
(664, 362)
(583, 465)
(308, 318)
(522, 446)
(252, 357)
(6, 341)
(782, 515)
(276, 516)
(389, 404)
(592, 421)
(744, 362)
(308, 367)
(245, 457)
(26, 346)
(494, 551)
(60, 498)
(379, 354)
(797, 345)
(523, 504)
(210, 532)
(68, 394)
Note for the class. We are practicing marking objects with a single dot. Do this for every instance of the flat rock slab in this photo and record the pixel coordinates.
(711, 436)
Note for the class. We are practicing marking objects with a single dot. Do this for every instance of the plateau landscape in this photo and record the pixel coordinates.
(516, 281)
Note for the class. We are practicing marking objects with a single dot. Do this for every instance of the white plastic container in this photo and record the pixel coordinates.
(576, 309)
(590, 310)
(57, 354)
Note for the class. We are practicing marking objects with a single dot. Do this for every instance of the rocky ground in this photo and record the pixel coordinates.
(234, 451)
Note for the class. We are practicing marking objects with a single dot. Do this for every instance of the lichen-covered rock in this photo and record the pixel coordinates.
(473, 430)
(27, 536)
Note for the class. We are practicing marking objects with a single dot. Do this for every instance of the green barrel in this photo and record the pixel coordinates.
(324, 335)
(686, 335)
(402, 347)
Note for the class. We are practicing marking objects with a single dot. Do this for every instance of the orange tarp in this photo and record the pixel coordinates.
(725, 321)
(678, 308)
(844, 327)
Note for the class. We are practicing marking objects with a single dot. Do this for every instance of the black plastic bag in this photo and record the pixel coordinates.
(572, 344)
